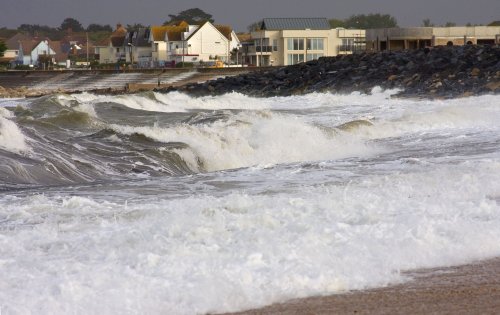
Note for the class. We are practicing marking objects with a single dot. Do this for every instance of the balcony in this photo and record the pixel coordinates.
(264, 49)
(351, 48)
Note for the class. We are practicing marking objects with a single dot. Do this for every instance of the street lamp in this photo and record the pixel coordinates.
(238, 46)
(130, 45)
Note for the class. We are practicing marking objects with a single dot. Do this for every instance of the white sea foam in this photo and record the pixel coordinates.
(82, 103)
(254, 138)
(180, 102)
(11, 137)
(420, 196)
(204, 254)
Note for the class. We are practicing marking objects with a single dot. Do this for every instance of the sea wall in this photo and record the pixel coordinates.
(433, 72)
(35, 83)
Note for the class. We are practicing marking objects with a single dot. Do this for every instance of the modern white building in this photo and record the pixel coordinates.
(287, 41)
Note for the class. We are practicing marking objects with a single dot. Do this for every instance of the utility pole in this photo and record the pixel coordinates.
(87, 34)
(260, 62)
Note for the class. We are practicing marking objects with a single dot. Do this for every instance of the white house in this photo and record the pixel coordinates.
(138, 47)
(30, 52)
(192, 43)
(209, 42)
(157, 39)
(112, 49)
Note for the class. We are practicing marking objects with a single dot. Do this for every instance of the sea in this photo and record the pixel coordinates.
(167, 204)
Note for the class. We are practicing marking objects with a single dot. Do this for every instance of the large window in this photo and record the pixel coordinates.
(315, 44)
(348, 41)
(295, 44)
(313, 56)
(275, 45)
(295, 58)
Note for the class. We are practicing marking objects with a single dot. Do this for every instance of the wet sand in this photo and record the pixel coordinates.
(467, 289)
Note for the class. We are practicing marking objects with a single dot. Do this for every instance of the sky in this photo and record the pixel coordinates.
(241, 13)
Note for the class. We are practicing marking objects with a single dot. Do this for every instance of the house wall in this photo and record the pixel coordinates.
(42, 48)
(332, 40)
(11, 53)
(109, 54)
(31, 57)
(159, 52)
(105, 55)
(208, 42)
(141, 55)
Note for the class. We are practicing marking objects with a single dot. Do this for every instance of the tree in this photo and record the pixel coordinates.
(368, 21)
(35, 28)
(3, 48)
(255, 26)
(494, 23)
(99, 28)
(71, 24)
(450, 24)
(191, 16)
(334, 23)
(41, 31)
(7, 33)
(427, 23)
(134, 27)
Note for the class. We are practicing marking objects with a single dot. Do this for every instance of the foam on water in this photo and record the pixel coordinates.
(179, 102)
(205, 254)
(11, 137)
(325, 210)
(254, 138)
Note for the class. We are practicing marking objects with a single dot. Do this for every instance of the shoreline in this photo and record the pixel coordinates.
(438, 73)
(464, 289)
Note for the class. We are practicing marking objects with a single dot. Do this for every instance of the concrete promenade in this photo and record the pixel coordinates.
(91, 80)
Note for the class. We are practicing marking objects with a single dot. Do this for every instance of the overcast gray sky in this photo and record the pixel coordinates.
(241, 13)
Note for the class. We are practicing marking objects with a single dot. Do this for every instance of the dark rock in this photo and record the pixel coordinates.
(438, 71)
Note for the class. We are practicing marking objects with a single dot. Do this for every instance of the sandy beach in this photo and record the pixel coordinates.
(466, 289)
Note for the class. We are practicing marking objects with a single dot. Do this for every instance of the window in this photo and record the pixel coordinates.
(295, 44)
(315, 44)
(295, 58)
(347, 41)
(275, 45)
(261, 41)
(313, 56)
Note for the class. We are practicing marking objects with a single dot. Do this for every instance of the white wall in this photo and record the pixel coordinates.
(208, 41)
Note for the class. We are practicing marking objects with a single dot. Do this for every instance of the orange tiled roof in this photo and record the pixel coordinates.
(243, 37)
(226, 30)
(158, 32)
(173, 31)
(116, 38)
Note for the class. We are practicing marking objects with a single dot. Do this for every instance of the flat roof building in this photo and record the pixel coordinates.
(419, 37)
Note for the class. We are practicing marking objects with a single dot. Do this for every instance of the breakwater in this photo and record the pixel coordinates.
(435, 72)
